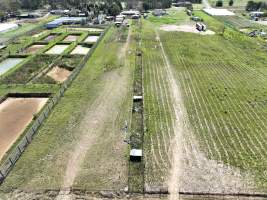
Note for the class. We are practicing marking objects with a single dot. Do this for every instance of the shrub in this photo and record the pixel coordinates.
(219, 3)
(231, 2)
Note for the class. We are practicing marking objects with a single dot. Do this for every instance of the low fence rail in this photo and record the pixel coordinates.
(7, 165)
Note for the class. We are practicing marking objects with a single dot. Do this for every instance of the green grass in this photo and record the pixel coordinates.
(26, 72)
(26, 27)
(173, 17)
(224, 92)
(43, 163)
(158, 110)
(226, 89)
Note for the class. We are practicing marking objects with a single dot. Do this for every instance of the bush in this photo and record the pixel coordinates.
(219, 3)
(231, 2)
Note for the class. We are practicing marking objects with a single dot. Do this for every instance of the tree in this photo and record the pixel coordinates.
(145, 6)
(219, 3)
(231, 2)
(114, 10)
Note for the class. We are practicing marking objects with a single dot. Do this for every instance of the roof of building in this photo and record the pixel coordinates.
(218, 12)
(7, 26)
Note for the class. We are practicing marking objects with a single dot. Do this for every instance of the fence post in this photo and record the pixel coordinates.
(19, 149)
(1, 173)
(10, 161)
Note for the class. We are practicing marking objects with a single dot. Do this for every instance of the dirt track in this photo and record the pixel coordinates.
(99, 129)
(15, 115)
(191, 170)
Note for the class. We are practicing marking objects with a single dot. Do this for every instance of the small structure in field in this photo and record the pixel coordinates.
(4, 27)
(136, 155)
(201, 26)
(137, 98)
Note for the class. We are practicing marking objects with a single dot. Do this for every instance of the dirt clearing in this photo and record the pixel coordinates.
(71, 38)
(80, 49)
(15, 115)
(185, 28)
(59, 74)
(34, 48)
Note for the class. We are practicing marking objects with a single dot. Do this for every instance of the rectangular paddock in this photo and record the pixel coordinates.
(17, 110)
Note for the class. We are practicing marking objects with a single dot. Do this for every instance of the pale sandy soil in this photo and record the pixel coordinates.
(185, 28)
(15, 115)
(59, 74)
(71, 38)
(81, 50)
(91, 38)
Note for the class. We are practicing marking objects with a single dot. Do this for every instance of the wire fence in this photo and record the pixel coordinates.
(8, 164)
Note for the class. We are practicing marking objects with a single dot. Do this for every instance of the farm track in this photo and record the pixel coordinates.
(95, 121)
(225, 136)
(231, 128)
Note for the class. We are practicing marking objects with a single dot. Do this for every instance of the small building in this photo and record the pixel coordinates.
(137, 98)
(136, 155)
(182, 4)
(130, 13)
(135, 16)
(4, 27)
(53, 24)
(159, 12)
(256, 14)
(65, 20)
(29, 15)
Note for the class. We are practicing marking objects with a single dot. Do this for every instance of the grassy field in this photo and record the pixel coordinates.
(224, 93)
(175, 16)
(26, 27)
(52, 148)
(158, 111)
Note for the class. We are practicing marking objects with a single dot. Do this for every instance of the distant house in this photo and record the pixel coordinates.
(29, 15)
(65, 20)
(256, 15)
(130, 13)
(159, 12)
(182, 4)
(59, 12)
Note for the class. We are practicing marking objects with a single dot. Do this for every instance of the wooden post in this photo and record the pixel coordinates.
(10, 161)
(19, 149)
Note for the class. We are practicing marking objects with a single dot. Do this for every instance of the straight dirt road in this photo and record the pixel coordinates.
(103, 112)
(179, 128)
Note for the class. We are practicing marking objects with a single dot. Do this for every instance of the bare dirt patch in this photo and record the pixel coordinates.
(34, 48)
(50, 37)
(15, 115)
(59, 74)
(185, 28)
(71, 38)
